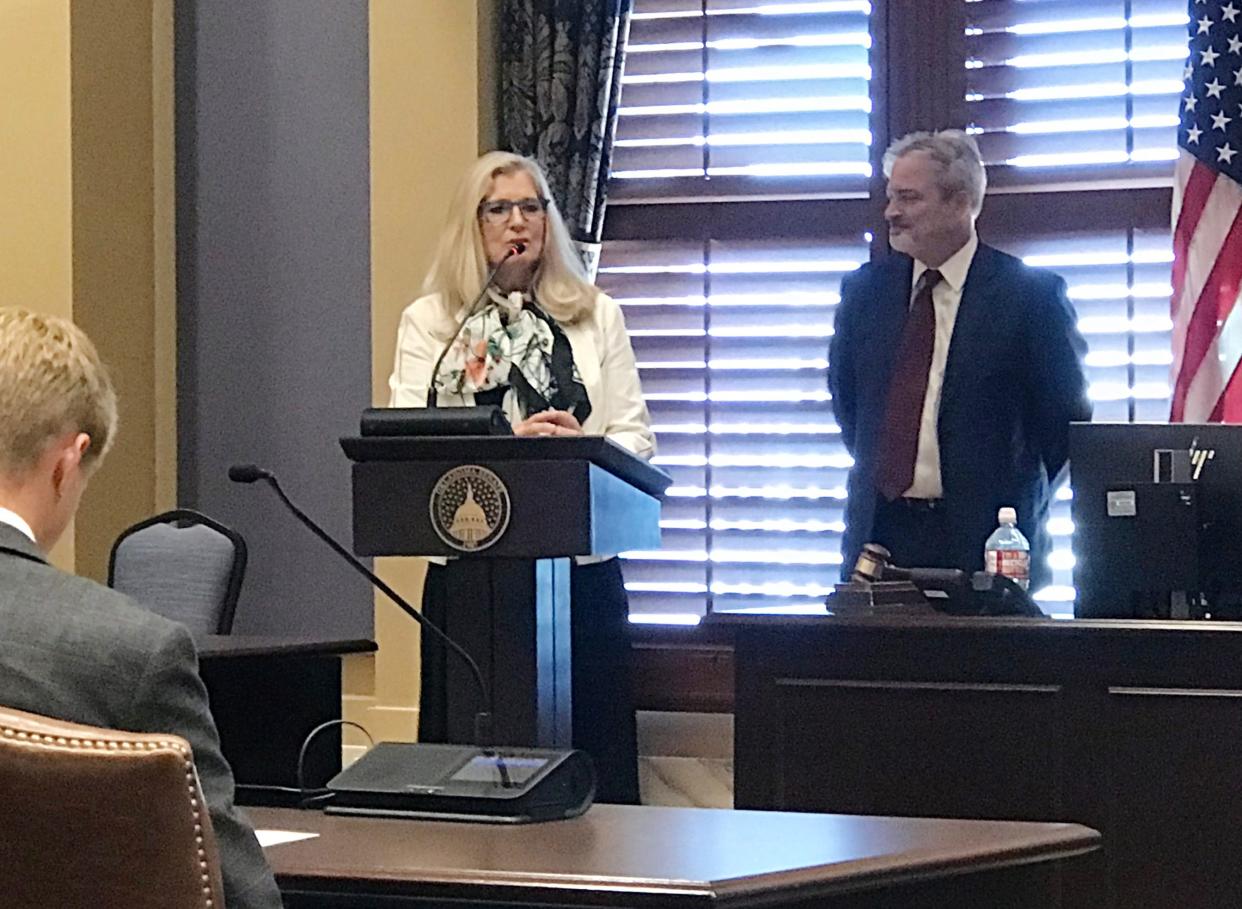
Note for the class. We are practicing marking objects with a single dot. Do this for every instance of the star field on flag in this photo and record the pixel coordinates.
(1207, 224)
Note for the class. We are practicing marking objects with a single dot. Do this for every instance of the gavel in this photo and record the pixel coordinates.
(873, 565)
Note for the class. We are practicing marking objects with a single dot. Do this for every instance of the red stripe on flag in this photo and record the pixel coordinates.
(1228, 407)
(1214, 304)
(1194, 199)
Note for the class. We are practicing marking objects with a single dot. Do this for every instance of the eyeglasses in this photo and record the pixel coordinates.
(498, 211)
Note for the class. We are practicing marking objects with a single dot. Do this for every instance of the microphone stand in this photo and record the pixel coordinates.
(515, 250)
(483, 717)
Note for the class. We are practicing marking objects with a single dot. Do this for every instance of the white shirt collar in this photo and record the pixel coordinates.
(16, 521)
(955, 268)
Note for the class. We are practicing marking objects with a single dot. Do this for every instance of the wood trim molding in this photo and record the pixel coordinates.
(810, 218)
(921, 91)
(1009, 214)
(683, 669)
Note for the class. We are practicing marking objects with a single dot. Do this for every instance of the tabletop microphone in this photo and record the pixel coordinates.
(251, 473)
(515, 249)
(248, 473)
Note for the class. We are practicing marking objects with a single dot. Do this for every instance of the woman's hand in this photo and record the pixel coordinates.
(549, 423)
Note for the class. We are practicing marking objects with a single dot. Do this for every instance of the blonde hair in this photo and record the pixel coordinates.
(51, 382)
(560, 285)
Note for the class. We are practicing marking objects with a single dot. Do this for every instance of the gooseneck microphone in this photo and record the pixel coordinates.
(515, 250)
(250, 473)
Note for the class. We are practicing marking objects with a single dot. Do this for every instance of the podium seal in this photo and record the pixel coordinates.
(469, 508)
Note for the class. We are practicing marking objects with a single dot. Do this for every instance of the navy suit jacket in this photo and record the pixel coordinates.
(1013, 382)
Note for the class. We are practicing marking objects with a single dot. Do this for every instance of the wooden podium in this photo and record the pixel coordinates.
(506, 501)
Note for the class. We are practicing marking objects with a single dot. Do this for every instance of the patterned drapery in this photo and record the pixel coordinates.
(561, 66)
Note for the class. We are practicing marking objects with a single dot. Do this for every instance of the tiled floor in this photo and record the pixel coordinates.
(686, 759)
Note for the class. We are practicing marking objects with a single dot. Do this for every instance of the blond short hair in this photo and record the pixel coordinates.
(561, 285)
(51, 382)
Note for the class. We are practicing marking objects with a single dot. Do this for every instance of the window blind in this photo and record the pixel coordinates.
(1075, 93)
(726, 98)
(731, 334)
(731, 339)
(1072, 95)
(1119, 284)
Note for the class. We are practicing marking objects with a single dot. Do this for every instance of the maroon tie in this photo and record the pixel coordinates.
(899, 442)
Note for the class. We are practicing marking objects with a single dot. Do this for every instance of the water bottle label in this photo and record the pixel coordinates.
(1011, 563)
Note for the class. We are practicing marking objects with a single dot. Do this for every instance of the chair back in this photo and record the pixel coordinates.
(97, 818)
(184, 566)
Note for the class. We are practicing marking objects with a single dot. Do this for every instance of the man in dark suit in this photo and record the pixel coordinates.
(955, 371)
(70, 648)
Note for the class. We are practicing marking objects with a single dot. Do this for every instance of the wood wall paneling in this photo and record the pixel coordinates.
(1126, 727)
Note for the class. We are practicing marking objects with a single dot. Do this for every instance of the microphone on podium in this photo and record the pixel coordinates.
(251, 473)
(516, 249)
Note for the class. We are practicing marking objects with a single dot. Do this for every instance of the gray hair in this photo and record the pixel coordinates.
(957, 153)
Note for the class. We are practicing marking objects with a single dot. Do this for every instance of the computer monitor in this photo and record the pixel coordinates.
(1157, 513)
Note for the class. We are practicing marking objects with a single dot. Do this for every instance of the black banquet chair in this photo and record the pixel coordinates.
(184, 566)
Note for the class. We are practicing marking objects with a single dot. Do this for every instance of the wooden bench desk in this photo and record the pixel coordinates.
(626, 856)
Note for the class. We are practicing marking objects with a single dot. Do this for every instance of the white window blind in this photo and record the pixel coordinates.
(736, 100)
(731, 342)
(1119, 284)
(1075, 92)
(742, 97)
(731, 339)
(731, 335)
(1080, 95)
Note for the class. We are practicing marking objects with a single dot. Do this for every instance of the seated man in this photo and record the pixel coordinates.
(70, 648)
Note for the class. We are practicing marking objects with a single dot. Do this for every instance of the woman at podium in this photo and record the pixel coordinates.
(540, 341)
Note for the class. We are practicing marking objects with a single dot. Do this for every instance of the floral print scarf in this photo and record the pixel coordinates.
(511, 344)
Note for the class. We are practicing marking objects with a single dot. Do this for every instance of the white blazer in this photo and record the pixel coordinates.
(602, 354)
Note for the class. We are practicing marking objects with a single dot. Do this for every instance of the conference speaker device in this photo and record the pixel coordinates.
(464, 783)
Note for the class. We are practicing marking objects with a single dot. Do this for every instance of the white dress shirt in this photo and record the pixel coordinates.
(16, 521)
(946, 298)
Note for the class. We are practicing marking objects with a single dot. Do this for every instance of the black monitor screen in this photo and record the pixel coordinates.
(1157, 513)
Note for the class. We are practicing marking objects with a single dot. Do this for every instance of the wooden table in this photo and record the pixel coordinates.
(266, 694)
(1132, 728)
(618, 855)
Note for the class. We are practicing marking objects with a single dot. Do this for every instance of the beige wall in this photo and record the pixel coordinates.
(86, 222)
(123, 253)
(36, 238)
(36, 199)
(426, 85)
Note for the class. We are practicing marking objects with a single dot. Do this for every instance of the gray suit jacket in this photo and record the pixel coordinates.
(77, 651)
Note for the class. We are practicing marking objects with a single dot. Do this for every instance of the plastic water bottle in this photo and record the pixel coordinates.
(1007, 551)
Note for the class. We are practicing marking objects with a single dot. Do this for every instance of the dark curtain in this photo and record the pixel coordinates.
(560, 76)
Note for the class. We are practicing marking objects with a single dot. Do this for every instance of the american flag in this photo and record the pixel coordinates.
(1207, 221)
